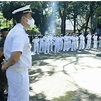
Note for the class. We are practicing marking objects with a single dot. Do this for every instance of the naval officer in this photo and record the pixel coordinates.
(18, 55)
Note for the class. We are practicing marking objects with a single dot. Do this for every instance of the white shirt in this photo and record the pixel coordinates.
(17, 40)
(95, 37)
(82, 38)
(65, 38)
(73, 38)
(89, 37)
(35, 41)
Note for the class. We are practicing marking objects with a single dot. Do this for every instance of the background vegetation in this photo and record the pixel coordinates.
(83, 15)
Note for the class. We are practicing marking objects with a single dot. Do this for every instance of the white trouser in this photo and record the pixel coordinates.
(99, 43)
(65, 46)
(73, 46)
(82, 45)
(46, 49)
(95, 44)
(88, 46)
(51, 46)
(69, 45)
(40, 47)
(77, 44)
(56, 48)
(18, 84)
(36, 48)
(61, 46)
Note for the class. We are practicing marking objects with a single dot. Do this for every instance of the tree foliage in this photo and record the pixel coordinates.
(80, 13)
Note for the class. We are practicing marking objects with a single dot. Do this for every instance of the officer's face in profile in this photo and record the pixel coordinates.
(27, 20)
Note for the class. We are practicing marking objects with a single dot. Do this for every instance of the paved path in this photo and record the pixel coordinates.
(54, 75)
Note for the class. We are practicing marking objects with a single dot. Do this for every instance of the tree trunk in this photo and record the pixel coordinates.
(74, 19)
(63, 24)
(89, 16)
(42, 25)
(63, 20)
(74, 24)
(87, 21)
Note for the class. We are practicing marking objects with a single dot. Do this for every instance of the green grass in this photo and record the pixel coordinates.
(68, 97)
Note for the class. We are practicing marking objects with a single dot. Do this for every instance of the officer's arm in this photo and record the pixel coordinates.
(15, 56)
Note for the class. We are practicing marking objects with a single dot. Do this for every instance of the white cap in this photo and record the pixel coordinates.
(24, 9)
(95, 33)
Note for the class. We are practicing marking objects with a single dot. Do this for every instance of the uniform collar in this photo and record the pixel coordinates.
(21, 26)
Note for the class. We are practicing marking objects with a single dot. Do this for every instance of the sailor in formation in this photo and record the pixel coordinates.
(70, 42)
(40, 44)
(73, 39)
(82, 42)
(100, 41)
(95, 41)
(61, 42)
(65, 45)
(89, 38)
(36, 45)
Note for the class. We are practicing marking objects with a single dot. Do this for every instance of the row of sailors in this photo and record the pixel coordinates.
(56, 44)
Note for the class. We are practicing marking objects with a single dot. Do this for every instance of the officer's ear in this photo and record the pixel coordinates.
(23, 18)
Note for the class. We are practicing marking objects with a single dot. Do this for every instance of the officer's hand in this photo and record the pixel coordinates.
(3, 65)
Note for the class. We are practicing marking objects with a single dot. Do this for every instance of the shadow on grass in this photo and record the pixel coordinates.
(78, 95)
(38, 97)
(68, 97)
(98, 55)
(39, 63)
(38, 60)
(36, 75)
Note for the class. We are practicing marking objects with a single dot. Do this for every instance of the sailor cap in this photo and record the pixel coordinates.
(95, 33)
(25, 9)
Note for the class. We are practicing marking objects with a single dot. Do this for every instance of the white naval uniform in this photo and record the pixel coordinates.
(65, 45)
(88, 46)
(95, 41)
(99, 41)
(46, 48)
(56, 45)
(73, 48)
(17, 74)
(69, 42)
(51, 43)
(61, 43)
(82, 42)
(40, 44)
(77, 42)
(36, 45)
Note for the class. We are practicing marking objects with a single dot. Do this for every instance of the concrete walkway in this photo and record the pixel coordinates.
(54, 75)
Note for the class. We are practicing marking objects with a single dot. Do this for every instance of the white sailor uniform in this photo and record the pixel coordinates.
(95, 41)
(99, 41)
(36, 45)
(82, 42)
(88, 45)
(17, 74)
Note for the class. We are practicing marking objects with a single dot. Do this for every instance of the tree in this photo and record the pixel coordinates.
(81, 13)
(98, 15)
(8, 7)
(73, 12)
(62, 12)
(37, 8)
